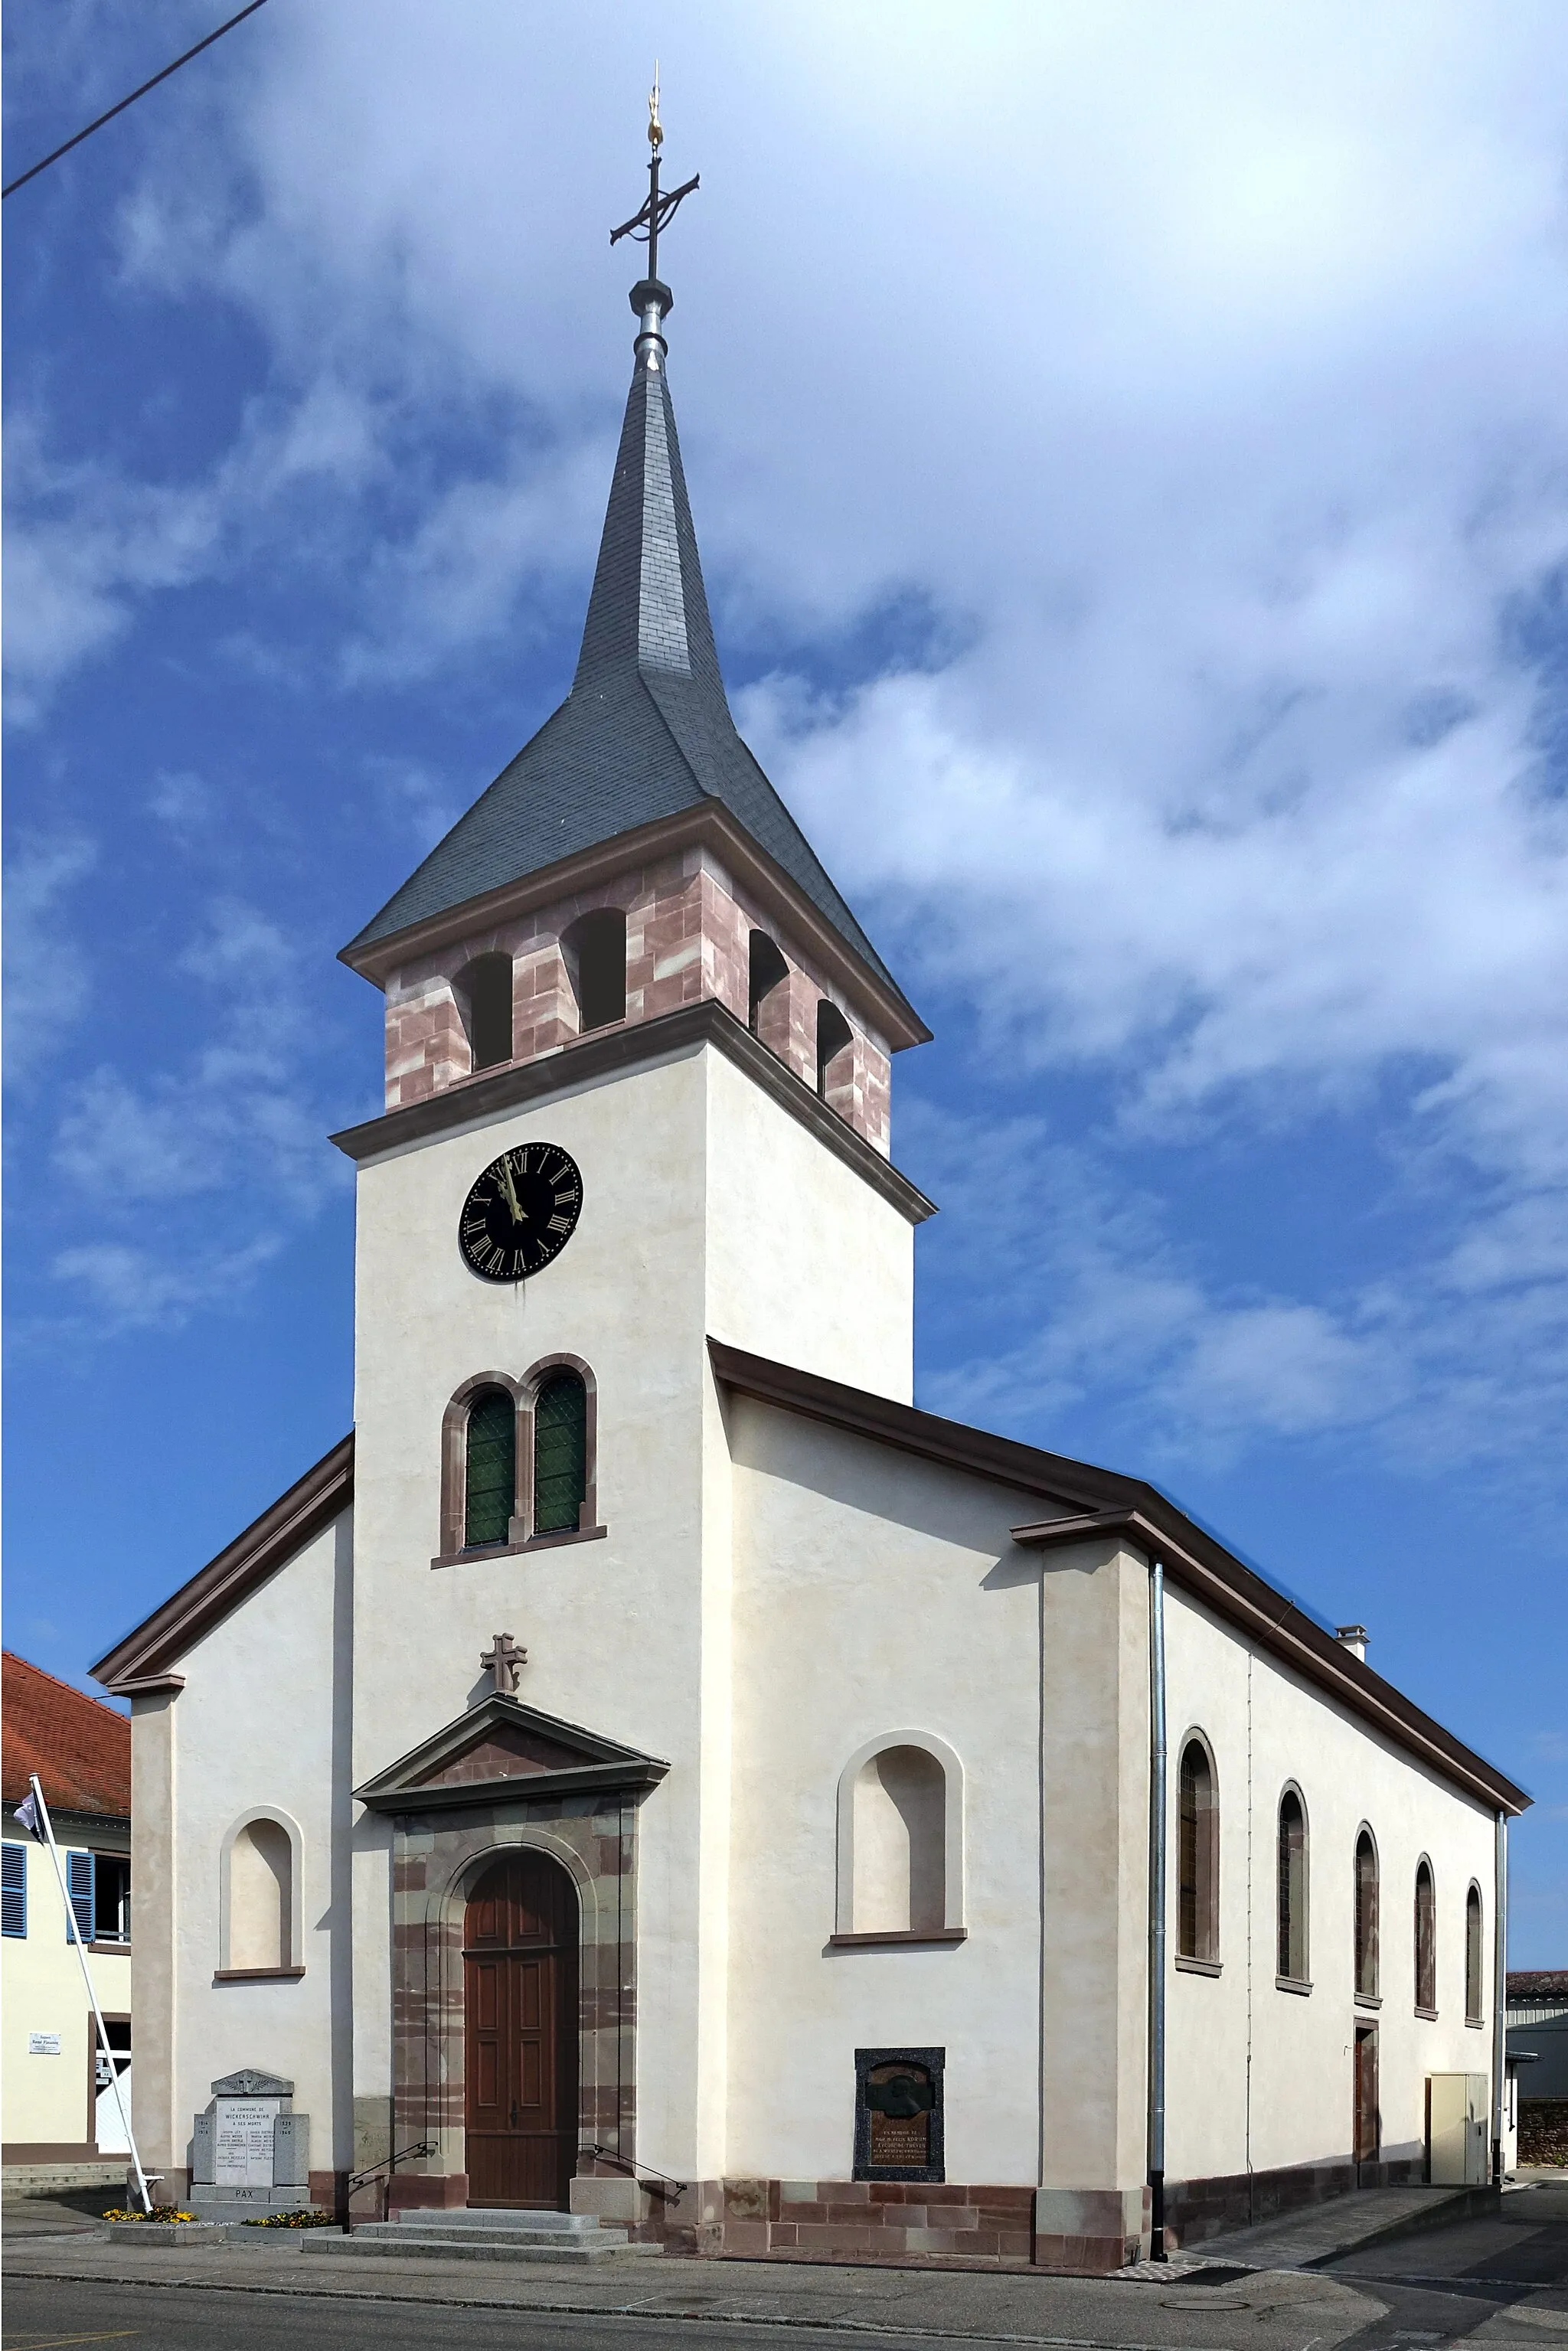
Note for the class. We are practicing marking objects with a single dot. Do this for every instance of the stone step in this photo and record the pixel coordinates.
(390, 2241)
(501, 2215)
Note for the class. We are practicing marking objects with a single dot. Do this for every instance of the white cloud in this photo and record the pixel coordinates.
(1197, 369)
(47, 975)
(131, 1289)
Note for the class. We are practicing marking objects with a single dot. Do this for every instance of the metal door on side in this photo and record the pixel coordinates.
(520, 2009)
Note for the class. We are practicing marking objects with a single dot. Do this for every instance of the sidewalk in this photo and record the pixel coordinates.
(1275, 2313)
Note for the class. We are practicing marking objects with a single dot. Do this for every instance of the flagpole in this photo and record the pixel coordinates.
(41, 1812)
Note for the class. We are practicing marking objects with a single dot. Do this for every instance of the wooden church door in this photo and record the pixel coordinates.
(520, 2008)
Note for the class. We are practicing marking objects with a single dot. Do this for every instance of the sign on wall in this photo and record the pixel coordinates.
(42, 2044)
(898, 2113)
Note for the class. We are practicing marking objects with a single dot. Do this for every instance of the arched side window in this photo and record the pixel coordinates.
(260, 1915)
(1198, 1853)
(1474, 2010)
(1366, 1915)
(480, 1422)
(1426, 1940)
(484, 993)
(1293, 1955)
(560, 1453)
(489, 1468)
(595, 952)
(901, 1841)
(835, 1038)
(765, 970)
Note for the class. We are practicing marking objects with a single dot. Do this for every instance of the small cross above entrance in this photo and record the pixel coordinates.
(505, 1664)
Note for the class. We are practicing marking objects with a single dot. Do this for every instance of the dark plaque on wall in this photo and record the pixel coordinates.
(898, 2113)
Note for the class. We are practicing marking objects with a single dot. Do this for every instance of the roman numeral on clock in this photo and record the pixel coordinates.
(521, 1212)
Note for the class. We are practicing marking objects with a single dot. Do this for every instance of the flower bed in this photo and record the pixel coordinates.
(305, 2220)
(162, 2212)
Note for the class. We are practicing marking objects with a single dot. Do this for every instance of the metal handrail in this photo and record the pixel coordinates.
(390, 2162)
(671, 2189)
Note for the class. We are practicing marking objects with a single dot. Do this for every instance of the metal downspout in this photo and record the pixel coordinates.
(1159, 1814)
(1499, 1999)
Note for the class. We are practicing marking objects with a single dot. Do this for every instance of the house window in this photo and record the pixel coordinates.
(1293, 1950)
(484, 993)
(595, 952)
(834, 1035)
(560, 1453)
(1473, 2009)
(1198, 1855)
(490, 1468)
(1366, 1915)
(258, 1897)
(1426, 1940)
(13, 1889)
(111, 1897)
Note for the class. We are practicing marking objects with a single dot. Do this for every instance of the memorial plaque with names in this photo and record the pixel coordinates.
(898, 2113)
(242, 2153)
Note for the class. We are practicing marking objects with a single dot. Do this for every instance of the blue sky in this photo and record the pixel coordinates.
(1128, 450)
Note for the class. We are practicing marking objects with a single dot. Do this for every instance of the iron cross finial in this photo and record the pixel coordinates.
(504, 1663)
(660, 209)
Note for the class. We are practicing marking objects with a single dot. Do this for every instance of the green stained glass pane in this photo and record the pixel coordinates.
(492, 1468)
(561, 1454)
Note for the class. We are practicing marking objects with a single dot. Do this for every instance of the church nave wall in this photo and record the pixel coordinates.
(257, 1737)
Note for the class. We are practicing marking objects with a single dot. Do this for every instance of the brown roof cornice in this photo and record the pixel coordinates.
(711, 826)
(605, 1051)
(1103, 1505)
(139, 1665)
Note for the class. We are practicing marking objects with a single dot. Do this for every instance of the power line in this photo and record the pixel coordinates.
(32, 174)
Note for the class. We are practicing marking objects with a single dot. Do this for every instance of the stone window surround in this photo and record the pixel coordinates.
(436, 1856)
(524, 1394)
(290, 1827)
(952, 1929)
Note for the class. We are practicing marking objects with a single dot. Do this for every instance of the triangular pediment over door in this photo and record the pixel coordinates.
(502, 1748)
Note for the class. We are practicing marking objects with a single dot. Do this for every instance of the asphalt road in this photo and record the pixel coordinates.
(1487, 2283)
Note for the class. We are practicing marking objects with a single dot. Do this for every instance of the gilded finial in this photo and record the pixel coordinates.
(655, 128)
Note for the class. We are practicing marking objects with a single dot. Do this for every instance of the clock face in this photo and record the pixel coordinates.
(521, 1212)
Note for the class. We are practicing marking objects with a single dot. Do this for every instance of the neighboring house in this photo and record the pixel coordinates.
(646, 1742)
(59, 2103)
(1538, 2061)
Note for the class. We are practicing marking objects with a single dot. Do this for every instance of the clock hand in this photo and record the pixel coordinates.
(511, 1190)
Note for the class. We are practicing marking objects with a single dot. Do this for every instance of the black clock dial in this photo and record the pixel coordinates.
(521, 1213)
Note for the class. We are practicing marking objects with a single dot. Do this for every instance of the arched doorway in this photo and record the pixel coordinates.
(521, 2012)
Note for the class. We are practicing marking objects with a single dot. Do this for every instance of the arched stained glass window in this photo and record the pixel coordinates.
(492, 1469)
(1473, 1962)
(1366, 1915)
(1425, 1938)
(561, 1454)
(1293, 1957)
(1198, 1855)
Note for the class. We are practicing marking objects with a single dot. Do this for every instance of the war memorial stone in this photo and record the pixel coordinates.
(250, 2152)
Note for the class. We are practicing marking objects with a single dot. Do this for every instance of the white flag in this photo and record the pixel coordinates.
(26, 1816)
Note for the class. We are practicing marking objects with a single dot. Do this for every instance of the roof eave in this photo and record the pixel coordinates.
(138, 1665)
(710, 824)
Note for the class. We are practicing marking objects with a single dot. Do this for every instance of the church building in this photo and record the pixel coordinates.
(649, 1768)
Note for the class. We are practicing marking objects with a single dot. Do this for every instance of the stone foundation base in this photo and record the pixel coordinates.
(1199, 2208)
(843, 2219)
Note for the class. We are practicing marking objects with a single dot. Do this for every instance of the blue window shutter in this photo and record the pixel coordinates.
(14, 1889)
(78, 1884)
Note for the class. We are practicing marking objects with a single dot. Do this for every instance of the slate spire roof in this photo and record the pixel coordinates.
(646, 730)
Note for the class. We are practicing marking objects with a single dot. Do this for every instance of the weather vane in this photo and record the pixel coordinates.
(659, 210)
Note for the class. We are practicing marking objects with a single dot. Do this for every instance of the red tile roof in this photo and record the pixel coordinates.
(79, 1749)
(1529, 1985)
